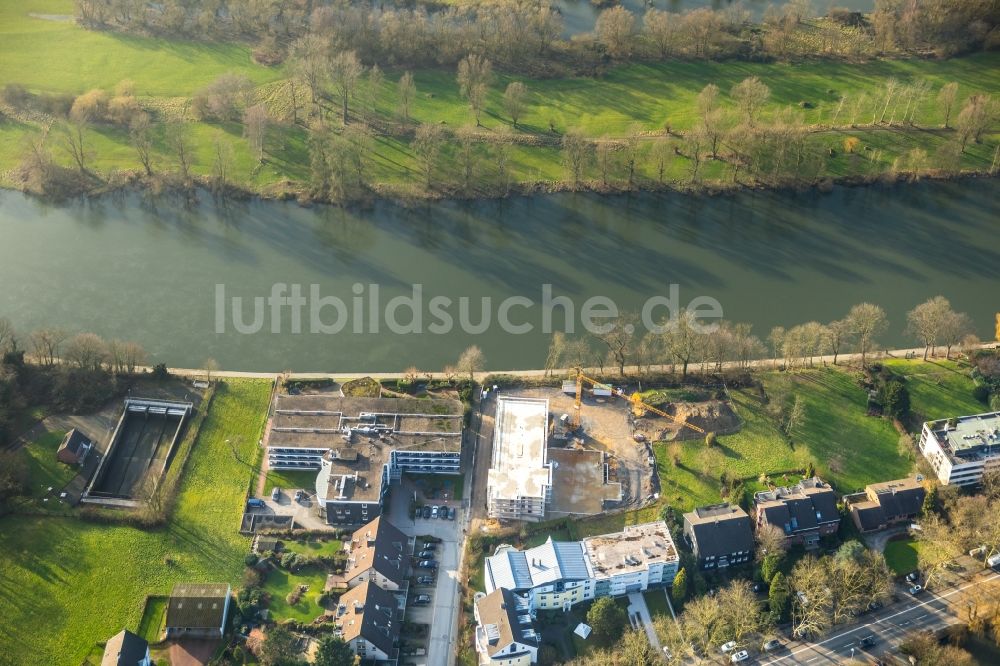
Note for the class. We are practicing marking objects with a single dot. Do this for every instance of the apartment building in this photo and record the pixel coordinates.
(961, 449)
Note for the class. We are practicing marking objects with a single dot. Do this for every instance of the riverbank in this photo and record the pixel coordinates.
(824, 121)
(630, 371)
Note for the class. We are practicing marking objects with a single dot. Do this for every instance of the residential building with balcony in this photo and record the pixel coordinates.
(804, 513)
(720, 535)
(962, 449)
(519, 482)
(505, 630)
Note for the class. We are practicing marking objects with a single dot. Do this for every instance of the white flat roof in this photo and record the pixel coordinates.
(519, 467)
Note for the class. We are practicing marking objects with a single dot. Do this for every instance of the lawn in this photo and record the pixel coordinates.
(901, 555)
(656, 602)
(938, 388)
(84, 581)
(315, 547)
(59, 56)
(153, 617)
(44, 471)
(438, 484)
(290, 480)
(848, 448)
(280, 583)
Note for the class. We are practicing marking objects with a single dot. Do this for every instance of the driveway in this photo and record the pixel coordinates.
(442, 613)
(192, 652)
(878, 540)
(637, 607)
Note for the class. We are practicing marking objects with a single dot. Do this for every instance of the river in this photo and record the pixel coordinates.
(580, 16)
(150, 270)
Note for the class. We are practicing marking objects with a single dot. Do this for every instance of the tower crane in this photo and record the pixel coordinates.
(633, 399)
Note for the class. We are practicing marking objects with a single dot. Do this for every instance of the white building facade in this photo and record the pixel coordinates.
(962, 449)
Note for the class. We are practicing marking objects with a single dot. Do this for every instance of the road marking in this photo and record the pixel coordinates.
(812, 646)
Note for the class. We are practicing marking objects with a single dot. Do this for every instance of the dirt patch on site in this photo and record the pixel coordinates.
(710, 416)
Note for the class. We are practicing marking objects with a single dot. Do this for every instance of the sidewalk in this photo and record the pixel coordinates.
(637, 606)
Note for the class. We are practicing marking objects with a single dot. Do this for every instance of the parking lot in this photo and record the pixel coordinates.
(303, 511)
(441, 613)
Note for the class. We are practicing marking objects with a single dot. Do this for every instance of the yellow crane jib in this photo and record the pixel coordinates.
(633, 399)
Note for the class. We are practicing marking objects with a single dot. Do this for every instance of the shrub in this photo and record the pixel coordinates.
(710, 439)
(17, 96)
(251, 559)
(90, 106)
(981, 393)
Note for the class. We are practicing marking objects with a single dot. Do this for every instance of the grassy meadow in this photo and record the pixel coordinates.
(83, 582)
(44, 51)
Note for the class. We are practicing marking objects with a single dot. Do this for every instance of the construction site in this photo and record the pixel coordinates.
(598, 444)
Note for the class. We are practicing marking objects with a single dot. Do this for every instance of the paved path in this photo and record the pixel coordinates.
(764, 363)
(933, 611)
(442, 613)
(637, 606)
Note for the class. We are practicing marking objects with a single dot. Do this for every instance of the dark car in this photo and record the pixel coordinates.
(430, 545)
(867, 641)
(427, 512)
(424, 554)
(913, 576)
(451, 513)
(425, 580)
(428, 564)
(422, 600)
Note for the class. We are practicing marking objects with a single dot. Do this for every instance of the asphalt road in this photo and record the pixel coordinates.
(890, 626)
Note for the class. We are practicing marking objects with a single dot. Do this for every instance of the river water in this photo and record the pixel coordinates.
(580, 16)
(155, 270)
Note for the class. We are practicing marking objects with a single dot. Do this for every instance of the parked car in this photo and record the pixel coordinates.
(425, 580)
(422, 600)
(255, 503)
(300, 495)
(742, 655)
(772, 645)
(427, 512)
(875, 605)
(913, 576)
(728, 647)
(428, 545)
(867, 641)
(424, 554)
(916, 589)
(451, 513)
(275, 494)
(434, 511)
(427, 564)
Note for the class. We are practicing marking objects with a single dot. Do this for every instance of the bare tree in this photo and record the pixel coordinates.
(662, 155)
(682, 340)
(222, 164)
(955, 327)
(514, 98)
(575, 153)
(179, 143)
(750, 94)
(345, 70)
(615, 29)
(141, 136)
(926, 321)
(471, 361)
(255, 125)
(211, 366)
(770, 541)
(975, 118)
(468, 157)
(407, 91)
(837, 333)
(946, 99)
(8, 336)
(310, 63)
(662, 30)
(475, 73)
(865, 321)
(501, 156)
(619, 338)
(74, 142)
(86, 351)
(46, 344)
(375, 79)
(427, 143)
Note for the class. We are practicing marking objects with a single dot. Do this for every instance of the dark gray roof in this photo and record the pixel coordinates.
(124, 649)
(74, 441)
(197, 605)
(719, 529)
(870, 515)
(898, 499)
(381, 545)
(800, 508)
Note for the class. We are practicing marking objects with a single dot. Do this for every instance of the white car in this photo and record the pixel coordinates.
(742, 655)
(728, 647)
